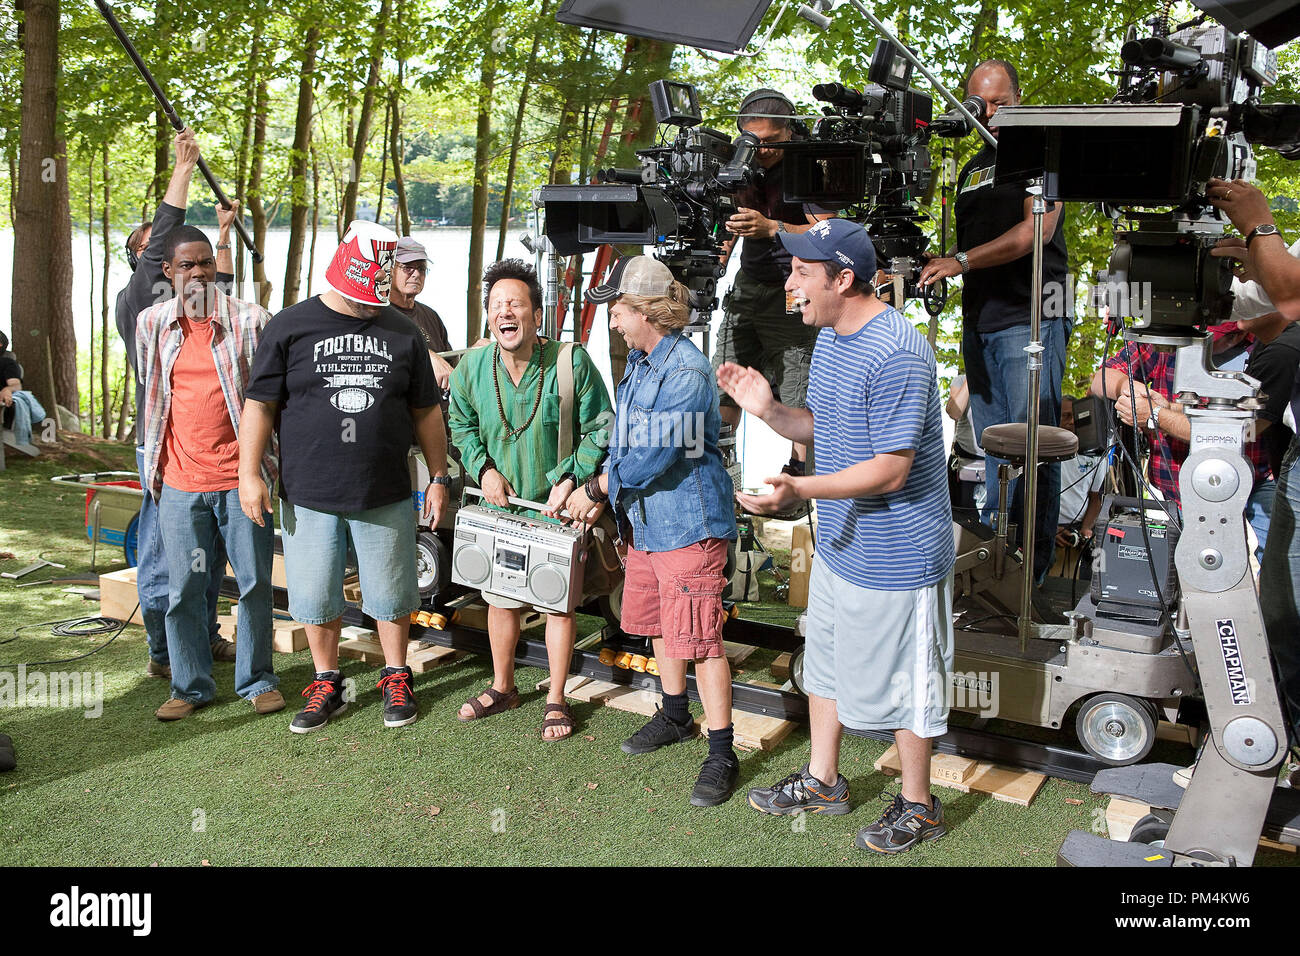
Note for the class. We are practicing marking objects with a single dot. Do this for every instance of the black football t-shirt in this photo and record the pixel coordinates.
(345, 387)
(998, 297)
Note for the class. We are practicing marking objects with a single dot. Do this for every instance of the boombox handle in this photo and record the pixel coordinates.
(518, 502)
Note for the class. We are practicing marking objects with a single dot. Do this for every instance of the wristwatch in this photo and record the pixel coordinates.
(222, 245)
(444, 480)
(780, 226)
(963, 262)
(1263, 229)
(1153, 422)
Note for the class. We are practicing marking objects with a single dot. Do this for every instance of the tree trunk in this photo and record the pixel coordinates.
(395, 148)
(298, 168)
(245, 144)
(478, 217)
(126, 403)
(90, 264)
(516, 134)
(383, 160)
(107, 412)
(315, 217)
(63, 329)
(163, 133)
(261, 285)
(37, 201)
(363, 121)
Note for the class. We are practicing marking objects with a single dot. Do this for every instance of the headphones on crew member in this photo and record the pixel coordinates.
(798, 128)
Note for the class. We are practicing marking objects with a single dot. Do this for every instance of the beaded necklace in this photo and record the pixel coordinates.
(512, 433)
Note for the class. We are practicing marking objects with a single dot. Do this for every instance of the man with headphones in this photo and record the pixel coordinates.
(757, 330)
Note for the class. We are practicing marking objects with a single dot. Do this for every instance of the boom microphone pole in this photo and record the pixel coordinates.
(175, 121)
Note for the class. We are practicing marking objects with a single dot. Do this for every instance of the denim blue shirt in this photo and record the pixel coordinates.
(666, 477)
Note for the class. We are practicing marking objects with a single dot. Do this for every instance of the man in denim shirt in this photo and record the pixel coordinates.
(666, 480)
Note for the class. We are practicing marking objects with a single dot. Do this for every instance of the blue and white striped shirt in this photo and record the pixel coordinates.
(873, 392)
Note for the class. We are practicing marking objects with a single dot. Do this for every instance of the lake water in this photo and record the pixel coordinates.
(762, 450)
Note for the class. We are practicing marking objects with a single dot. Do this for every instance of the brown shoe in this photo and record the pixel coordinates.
(175, 709)
(154, 669)
(268, 702)
(223, 650)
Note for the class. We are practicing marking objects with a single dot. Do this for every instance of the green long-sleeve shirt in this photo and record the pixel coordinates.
(529, 461)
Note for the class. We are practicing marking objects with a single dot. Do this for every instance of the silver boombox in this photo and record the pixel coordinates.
(526, 559)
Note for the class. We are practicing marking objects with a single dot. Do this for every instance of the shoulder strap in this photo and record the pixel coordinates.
(564, 378)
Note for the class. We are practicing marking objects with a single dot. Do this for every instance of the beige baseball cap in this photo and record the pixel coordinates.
(634, 275)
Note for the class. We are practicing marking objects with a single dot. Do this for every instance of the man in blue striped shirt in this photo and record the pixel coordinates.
(879, 628)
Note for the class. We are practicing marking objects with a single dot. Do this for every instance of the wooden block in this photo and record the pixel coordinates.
(288, 637)
(585, 691)
(758, 731)
(226, 625)
(118, 596)
(1011, 786)
(360, 648)
(781, 666)
(353, 631)
(278, 578)
(736, 653)
(952, 768)
(424, 657)
(1122, 815)
(801, 554)
(352, 589)
(1180, 733)
(570, 685)
(1271, 845)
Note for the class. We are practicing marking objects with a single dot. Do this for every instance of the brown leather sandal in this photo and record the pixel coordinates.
(500, 703)
(564, 720)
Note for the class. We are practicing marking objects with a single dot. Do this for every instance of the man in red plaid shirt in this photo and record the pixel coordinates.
(194, 355)
(1167, 428)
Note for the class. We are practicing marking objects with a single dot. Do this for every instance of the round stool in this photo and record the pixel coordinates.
(1011, 442)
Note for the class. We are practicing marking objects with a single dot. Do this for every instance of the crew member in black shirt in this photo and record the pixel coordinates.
(757, 331)
(994, 255)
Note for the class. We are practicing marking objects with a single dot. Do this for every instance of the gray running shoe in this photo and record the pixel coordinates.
(902, 826)
(801, 792)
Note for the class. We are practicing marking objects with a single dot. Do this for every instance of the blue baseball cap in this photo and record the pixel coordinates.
(834, 240)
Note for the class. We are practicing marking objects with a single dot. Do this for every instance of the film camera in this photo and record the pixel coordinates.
(678, 200)
(1186, 110)
(868, 156)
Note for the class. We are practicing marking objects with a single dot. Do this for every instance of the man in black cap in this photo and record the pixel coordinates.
(879, 640)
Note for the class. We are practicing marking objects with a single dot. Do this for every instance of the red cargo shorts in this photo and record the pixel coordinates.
(678, 594)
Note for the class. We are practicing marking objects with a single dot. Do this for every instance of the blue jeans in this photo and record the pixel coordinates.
(316, 548)
(151, 575)
(998, 379)
(1279, 587)
(194, 524)
(1259, 512)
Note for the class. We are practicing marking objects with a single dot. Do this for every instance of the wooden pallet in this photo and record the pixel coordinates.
(964, 774)
(420, 658)
(752, 731)
(287, 637)
(1122, 815)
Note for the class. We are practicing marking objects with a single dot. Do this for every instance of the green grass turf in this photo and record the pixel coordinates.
(228, 787)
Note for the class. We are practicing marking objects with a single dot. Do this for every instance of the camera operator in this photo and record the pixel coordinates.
(756, 329)
(1276, 269)
(994, 255)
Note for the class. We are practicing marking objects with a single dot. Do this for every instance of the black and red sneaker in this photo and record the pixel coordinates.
(399, 702)
(324, 700)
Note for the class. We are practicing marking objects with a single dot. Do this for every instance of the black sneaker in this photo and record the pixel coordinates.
(801, 792)
(399, 703)
(717, 780)
(324, 700)
(660, 731)
(902, 826)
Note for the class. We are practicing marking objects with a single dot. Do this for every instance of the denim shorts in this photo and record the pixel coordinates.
(316, 550)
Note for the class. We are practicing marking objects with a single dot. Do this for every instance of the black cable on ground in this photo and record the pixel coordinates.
(75, 627)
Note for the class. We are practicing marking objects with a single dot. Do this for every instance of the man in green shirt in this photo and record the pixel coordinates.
(505, 421)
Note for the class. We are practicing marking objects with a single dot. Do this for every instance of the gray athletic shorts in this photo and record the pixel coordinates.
(884, 657)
